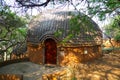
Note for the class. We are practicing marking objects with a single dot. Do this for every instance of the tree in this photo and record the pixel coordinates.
(100, 8)
(12, 30)
(32, 3)
(113, 28)
(103, 8)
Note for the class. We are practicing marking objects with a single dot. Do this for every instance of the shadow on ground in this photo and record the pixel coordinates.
(105, 68)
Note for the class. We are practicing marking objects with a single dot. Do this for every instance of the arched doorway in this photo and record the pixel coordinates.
(50, 51)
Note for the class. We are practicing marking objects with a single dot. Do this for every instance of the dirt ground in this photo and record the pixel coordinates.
(105, 68)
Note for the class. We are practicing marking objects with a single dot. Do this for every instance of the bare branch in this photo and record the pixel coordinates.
(31, 4)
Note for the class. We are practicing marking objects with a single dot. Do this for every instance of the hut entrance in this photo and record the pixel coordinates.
(50, 51)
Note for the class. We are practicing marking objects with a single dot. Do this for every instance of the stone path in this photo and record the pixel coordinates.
(29, 70)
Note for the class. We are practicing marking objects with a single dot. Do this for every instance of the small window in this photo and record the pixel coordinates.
(85, 51)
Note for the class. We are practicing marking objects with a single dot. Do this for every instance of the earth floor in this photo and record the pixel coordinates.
(105, 68)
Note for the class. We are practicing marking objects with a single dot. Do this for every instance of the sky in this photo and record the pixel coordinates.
(65, 6)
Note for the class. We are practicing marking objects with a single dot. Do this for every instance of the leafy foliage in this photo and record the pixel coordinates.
(113, 29)
(12, 30)
(10, 19)
(103, 8)
(79, 25)
(80, 21)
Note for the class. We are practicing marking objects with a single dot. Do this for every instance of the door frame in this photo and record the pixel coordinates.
(44, 57)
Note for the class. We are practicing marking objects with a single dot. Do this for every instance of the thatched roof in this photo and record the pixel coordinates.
(46, 24)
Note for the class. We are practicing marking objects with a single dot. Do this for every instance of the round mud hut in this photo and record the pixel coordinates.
(53, 38)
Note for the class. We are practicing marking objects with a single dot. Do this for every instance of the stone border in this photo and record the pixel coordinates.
(55, 76)
(11, 77)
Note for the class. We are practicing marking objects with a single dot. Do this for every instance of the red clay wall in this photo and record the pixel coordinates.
(11, 77)
(68, 56)
(77, 55)
(35, 53)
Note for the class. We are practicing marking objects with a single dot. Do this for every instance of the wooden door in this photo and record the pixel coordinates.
(50, 51)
